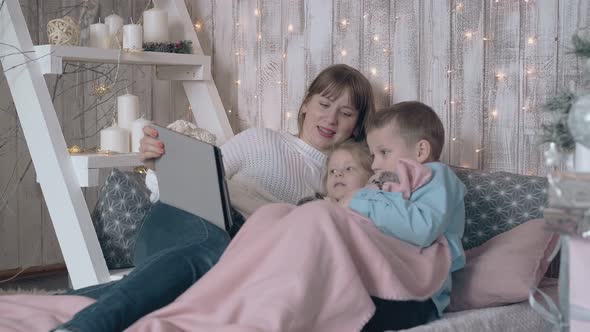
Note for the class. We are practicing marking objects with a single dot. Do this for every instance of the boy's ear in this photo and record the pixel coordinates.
(423, 151)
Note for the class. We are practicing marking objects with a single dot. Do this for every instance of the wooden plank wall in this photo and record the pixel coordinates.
(485, 66)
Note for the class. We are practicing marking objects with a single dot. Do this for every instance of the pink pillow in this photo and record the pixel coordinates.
(504, 268)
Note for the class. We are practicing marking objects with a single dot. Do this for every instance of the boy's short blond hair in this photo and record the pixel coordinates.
(414, 121)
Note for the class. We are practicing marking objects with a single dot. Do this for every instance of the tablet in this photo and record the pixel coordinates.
(191, 177)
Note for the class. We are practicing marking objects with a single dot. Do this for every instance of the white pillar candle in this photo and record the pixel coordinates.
(114, 139)
(132, 37)
(582, 159)
(127, 110)
(99, 35)
(155, 25)
(115, 24)
(137, 133)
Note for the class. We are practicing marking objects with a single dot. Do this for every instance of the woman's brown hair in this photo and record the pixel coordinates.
(331, 82)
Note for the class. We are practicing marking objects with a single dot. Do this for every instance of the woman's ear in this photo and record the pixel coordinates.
(423, 151)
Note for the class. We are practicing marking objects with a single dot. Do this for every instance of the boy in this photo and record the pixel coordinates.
(413, 131)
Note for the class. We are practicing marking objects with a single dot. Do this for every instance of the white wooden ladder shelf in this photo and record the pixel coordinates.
(60, 175)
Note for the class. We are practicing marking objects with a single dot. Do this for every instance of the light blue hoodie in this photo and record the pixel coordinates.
(433, 209)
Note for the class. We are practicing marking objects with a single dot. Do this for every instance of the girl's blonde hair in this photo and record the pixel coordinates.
(359, 151)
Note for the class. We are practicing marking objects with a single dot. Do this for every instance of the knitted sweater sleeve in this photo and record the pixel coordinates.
(237, 150)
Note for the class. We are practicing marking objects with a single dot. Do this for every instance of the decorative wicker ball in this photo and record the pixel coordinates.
(63, 31)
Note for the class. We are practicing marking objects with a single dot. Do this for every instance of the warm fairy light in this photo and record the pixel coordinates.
(500, 76)
(259, 37)
(237, 53)
(386, 88)
(530, 71)
(256, 12)
(454, 139)
(486, 39)
(385, 50)
(237, 24)
(343, 52)
(524, 108)
(288, 115)
(279, 82)
(468, 34)
(478, 150)
(374, 71)
(284, 55)
(449, 71)
(344, 22)
(238, 82)
(290, 28)
(531, 40)
(452, 102)
(198, 26)
(494, 113)
(459, 7)
(228, 111)
(376, 38)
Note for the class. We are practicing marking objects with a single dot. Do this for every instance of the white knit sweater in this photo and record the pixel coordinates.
(275, 165)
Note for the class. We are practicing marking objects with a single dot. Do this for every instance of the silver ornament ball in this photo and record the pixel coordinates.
(579, 121)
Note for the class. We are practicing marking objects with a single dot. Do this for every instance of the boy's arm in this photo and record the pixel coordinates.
(422, 219)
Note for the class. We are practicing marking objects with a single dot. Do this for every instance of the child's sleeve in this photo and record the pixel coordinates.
(420, 220)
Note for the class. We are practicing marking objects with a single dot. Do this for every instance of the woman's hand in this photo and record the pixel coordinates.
(150, 147)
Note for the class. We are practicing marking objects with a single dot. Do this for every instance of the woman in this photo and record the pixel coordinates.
(272, 165)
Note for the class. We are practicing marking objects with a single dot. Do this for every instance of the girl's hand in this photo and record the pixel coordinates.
(150, 147)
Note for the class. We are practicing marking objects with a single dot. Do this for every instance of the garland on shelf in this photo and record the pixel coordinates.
(183, 47)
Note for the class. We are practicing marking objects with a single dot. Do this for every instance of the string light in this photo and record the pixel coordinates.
(376, 38)
(385, 50)
(288, 115)
(479, 150)
(100, 89)
(374, 71)
(452, 102)
(279, 82)
(500, 76)
(494, 113)
(237, 24)
(454, 139)
(259, 36)
(530, 71)
(459, 7)
(284, 55)
(468, 34)
(344, 23)
(449, 71)
(532, 40)
(343, 52)
(238, 82)
(198, 26)
(256, 12)
(486, 39)
(290, 28)
(228, 111)
(386, 88)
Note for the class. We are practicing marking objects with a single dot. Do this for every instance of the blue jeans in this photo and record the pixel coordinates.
(156, 282)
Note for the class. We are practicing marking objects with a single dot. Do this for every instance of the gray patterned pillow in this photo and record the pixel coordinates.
(497, 202)
(119, 213)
